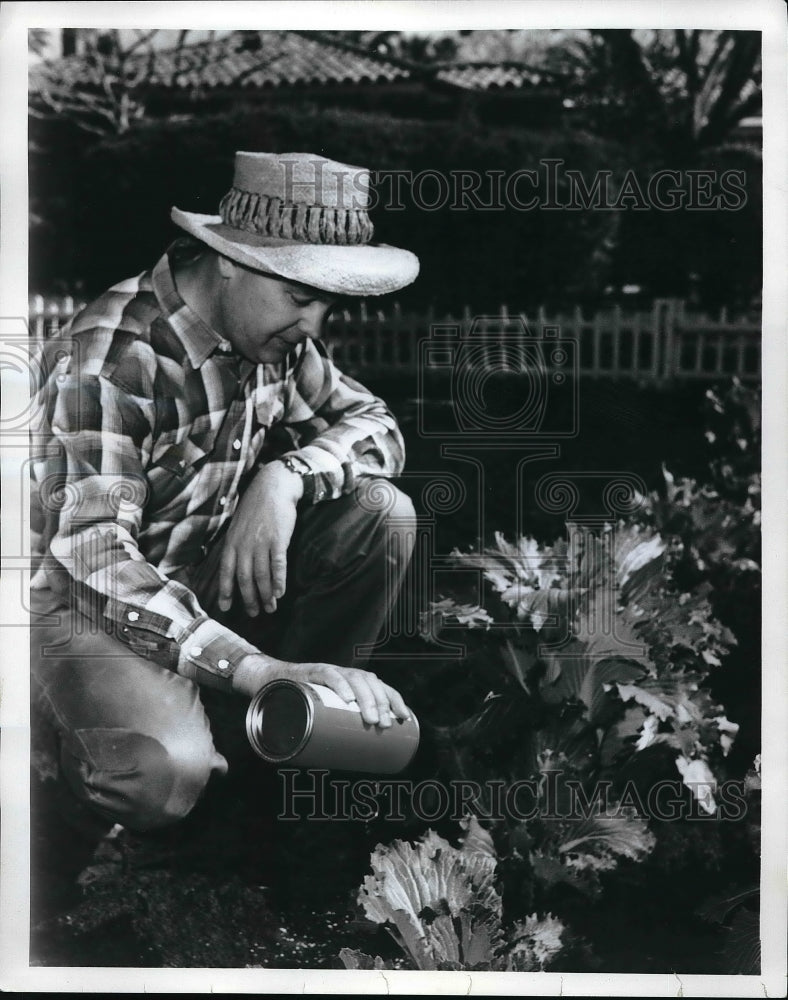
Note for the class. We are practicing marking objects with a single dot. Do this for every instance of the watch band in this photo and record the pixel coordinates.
(297, 465)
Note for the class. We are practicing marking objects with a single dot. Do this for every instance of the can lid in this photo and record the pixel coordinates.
(279, 721)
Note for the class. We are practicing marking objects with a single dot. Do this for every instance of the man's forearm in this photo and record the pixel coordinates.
(254, 672)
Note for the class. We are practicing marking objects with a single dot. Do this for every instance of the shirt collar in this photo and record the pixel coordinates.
(198, 339)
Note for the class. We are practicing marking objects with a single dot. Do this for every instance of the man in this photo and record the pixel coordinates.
(206, 502)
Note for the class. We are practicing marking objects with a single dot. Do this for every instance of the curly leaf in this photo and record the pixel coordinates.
(577, 675)
(506, 565)
(550, 871)
(691, 712)
(673, 623)
(447, 611)
(728, 732)
(599, 836)
(596, 683)
(421, 890)
(639, 560)
(656, 706)
(608, 633)
(537, 942)
(477, 840)
(550, 610)
(445, 945)
(353, 959)
(697, 776)
(621, 736)
(480, 940)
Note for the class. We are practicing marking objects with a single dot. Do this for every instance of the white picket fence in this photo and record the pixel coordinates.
(654, 345)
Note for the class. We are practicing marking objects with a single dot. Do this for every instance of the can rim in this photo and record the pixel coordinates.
(254, 712)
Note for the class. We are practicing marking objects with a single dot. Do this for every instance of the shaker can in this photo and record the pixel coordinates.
(309, 725)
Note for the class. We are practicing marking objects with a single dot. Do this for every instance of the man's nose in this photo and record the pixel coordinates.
(313, 319)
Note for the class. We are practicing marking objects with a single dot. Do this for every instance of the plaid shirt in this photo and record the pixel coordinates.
(152, 424)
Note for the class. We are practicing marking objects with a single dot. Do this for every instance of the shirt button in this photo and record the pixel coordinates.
(133, 616)
(223, 664)
(195, 651)
(236, 444)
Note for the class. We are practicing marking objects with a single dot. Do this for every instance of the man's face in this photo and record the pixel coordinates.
(265, 317)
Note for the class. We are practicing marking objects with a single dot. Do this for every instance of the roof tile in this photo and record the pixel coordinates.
(275, 58)
(262, 59)
(485, 76)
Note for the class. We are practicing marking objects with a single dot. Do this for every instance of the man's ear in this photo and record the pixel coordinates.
(226, 266)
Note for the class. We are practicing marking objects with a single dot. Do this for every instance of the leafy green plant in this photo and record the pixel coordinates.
(712, 527)
(441, 906)
(596, 666)
(592, 672)
(593, 627)
(715, 525)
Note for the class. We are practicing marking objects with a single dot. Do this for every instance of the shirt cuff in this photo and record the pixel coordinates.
(211, 653)
(328, 476)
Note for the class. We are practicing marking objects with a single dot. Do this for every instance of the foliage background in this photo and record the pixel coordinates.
(641, 101)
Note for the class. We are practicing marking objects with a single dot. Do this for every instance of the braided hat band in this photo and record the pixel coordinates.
(304, 217)
(270, 216)
(299, 196)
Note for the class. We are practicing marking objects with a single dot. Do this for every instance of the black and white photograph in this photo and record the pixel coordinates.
(394, 498)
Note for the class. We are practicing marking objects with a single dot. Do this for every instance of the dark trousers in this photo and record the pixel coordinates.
(136, 743)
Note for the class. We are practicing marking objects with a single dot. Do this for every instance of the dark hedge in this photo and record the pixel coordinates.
(100, 205)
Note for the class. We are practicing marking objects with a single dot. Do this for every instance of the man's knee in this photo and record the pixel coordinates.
(400, 513)
(390, 511)
(399, 530)
(376, 523)
(385, 524)
(137, 780)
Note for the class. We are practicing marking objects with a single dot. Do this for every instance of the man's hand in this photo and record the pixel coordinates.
(378, 702)
(255, 549)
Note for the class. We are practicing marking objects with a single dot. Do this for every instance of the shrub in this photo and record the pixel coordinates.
(589, 681)
(104, 214)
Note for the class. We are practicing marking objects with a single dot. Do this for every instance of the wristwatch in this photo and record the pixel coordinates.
(297, 465)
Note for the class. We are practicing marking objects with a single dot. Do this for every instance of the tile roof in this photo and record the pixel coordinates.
(261, 59)
(488, 76)
(253, 60)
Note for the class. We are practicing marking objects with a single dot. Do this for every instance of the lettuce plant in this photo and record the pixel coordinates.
(441, 906)
(589, 674)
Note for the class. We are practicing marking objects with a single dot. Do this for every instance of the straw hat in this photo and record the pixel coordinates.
(303, 217)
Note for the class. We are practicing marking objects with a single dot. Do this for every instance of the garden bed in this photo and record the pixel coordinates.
(233, 886)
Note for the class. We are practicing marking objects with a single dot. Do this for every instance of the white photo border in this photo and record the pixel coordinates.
(766, 16)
